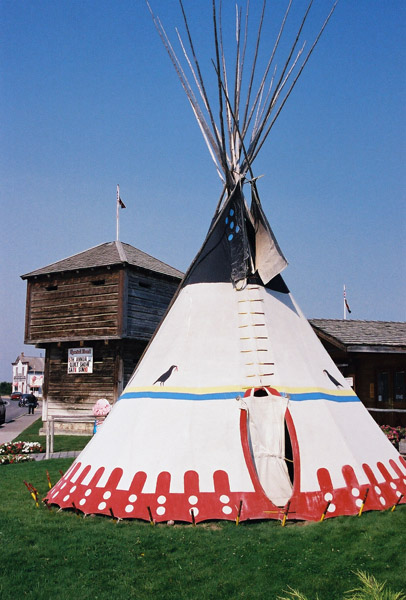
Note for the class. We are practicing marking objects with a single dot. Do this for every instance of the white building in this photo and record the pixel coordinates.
(28, 374)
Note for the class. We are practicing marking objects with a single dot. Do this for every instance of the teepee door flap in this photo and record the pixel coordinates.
(266, 427)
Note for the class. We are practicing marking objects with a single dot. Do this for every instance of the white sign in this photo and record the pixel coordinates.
(80, 360)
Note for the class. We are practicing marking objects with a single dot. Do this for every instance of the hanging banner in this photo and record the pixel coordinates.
(80, 360)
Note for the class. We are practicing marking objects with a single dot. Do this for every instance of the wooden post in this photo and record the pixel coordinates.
(47, 439)
(51, 449)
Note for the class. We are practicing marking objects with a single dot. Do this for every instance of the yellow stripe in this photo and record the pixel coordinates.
(235, 388)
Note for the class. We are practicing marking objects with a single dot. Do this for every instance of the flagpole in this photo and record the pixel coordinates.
(344, 307)
(117, 212)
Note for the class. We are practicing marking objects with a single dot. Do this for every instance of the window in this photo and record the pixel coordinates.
(383, 387)
(400, 386)
(391, 386)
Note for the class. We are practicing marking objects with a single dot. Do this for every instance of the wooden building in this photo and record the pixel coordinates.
(93, 314)
(372, 355)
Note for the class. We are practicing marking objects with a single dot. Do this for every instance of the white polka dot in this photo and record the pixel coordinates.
(106, 495)
(88, 492)
(227, 510)
(63, 485)
(355, 492)
(192, 499)
(161, 499)
(393, 485)
(82, 502)
(102, 506)
(382, 500)
(66, 498)
(358, 502)
(160, 510)
(398, 494)
(132, 498)
(194, 511)
(377, 489)
(224, 499)
(129, 508)
(331, 508)
(54, 494)
(72, 489)
(328, 497)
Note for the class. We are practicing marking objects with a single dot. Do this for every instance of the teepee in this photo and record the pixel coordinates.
(236, 411)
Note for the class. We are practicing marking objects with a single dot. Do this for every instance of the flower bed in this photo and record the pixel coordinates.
(394, 434)
(16, 452)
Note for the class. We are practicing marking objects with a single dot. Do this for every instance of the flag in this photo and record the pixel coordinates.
(345, 302)
(121, 203)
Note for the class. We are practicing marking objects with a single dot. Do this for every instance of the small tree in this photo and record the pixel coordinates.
(5, 388)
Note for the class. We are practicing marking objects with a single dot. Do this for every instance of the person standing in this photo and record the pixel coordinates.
(32, 403)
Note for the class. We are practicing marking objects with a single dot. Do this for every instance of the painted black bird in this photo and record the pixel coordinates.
(166, 375)
(333, 379)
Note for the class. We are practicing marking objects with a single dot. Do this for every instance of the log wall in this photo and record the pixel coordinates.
(148, 297)
(73, 306)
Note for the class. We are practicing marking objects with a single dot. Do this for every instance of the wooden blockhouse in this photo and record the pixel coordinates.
(106, 303)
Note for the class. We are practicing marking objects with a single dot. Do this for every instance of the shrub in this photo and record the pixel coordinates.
(394, 434)
(17, 452)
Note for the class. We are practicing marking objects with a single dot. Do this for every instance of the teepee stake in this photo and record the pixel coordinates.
(151, 520)
(325, 511)
(192, 512)
(398, 500)
(363, 502)
(33, 492)
(285, 514)
(237, 521)
(49, 480)
(76, 510)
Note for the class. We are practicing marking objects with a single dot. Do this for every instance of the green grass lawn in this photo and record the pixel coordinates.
(62, 443)
(46, 554)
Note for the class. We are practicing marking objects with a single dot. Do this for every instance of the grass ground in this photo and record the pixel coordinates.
(49, 554)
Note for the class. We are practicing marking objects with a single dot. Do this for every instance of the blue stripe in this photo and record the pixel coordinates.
(182, 396)
(232, 395)
(321, 396)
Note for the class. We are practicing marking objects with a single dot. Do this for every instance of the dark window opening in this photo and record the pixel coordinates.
(383, 387)
(51, 288)
(144, 285)
(400, 386)
(99, 282)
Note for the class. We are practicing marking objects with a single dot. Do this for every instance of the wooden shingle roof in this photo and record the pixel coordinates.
(108, 254)
(362, 336)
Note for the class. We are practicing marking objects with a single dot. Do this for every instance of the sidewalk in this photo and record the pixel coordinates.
(9, 431)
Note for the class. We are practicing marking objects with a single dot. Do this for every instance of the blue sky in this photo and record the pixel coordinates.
(89, 99)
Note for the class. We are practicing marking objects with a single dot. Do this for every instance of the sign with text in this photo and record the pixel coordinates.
(80, 360)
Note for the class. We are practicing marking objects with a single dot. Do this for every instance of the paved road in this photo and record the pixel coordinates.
(13, 411)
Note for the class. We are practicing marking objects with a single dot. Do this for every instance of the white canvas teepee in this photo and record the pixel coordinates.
(235, 411)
